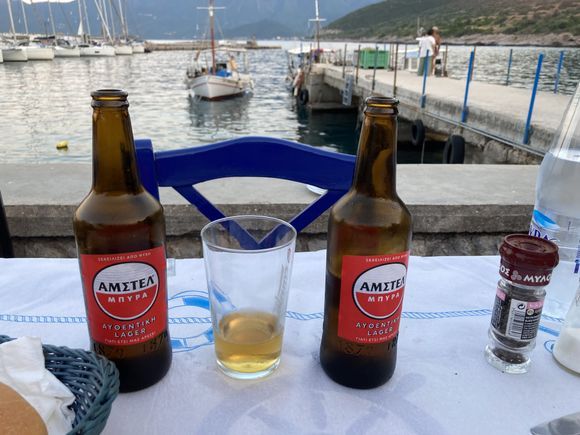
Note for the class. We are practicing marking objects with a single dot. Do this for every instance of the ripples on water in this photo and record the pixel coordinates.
(43, 103)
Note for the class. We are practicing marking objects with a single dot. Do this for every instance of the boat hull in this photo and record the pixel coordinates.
(138, 48)
(122, 50)
(98, 51)
(210, 87)
(39, 53)
(14, 55)
(67, 51)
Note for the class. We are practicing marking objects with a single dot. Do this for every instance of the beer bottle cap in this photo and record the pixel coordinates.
(112, 98)
(381, 105)
(528, 260)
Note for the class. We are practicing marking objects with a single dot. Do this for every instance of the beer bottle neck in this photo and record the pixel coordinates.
(114, 162)
(377, 156)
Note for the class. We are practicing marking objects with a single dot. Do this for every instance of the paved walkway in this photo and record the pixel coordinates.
(497, 109)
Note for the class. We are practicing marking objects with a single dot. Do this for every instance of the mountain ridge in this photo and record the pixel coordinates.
(463, 20)
(180, 19)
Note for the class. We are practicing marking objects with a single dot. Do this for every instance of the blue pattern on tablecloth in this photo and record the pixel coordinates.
(198, 300)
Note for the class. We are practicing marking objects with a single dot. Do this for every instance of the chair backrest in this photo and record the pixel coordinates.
(6, 250)
(251, 156)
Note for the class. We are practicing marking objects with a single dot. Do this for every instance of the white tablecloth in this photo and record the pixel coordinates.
(442, 384)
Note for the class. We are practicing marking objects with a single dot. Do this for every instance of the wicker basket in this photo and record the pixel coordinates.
(93, 380)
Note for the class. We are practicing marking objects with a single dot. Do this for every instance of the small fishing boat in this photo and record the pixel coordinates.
(219, 79)
(214, 73)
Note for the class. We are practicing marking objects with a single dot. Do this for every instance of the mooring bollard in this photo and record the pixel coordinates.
(558, 71)
(357, 63)
(465, 110)
(533, 99)
(507, 80)
(375, 70)
(395, 76)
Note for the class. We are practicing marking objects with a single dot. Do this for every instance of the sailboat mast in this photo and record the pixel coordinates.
(52, 21)
(211, 26)
(317, 28)
(81, 31)
(106, 33)
(12, 29)
(87, 18)
(104, 19)
(317, 20)
(112, 19)
(123, 23)
(211, 9)
(24, 18)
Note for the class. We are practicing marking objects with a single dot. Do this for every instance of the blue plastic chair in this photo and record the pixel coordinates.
(250, 156)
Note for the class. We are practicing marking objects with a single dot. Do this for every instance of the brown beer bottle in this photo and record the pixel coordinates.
(369, 234)
(120, 235)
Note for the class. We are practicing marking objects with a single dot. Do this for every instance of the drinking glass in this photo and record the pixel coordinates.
(248, 263)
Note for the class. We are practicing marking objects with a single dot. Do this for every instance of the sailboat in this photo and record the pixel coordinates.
(88, 47)
(213, 74)
(11, 52)
(34, 50)
(122, 45)
(61, 47)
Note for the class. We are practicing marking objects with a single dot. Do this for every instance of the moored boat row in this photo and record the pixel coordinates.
(20, 48)
(10, 52)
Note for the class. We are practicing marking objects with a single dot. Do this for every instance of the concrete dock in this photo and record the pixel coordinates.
(457, 209)
(497, 114)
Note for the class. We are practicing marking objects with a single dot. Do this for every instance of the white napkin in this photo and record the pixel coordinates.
(22, 368)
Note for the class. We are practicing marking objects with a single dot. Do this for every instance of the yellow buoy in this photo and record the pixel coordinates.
(62, 145)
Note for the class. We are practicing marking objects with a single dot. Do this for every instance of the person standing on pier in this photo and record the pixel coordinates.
(437, 37)
(426, 46)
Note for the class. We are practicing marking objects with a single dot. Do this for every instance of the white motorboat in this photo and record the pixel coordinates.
(123, 49)
(214, 74)
(138, 47)
(39, 52)
(72, 51)
(97, 50)
(14, 54)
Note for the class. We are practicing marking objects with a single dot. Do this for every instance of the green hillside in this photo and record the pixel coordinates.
(457, 18)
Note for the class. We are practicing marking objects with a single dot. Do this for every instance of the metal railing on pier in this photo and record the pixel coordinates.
(353, 59)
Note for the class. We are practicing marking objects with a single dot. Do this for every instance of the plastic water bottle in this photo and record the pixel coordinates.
(556, 214)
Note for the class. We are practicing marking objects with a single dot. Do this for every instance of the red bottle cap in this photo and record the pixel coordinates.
(527, 260)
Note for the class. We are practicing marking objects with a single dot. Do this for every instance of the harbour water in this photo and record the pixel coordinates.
(44, 103)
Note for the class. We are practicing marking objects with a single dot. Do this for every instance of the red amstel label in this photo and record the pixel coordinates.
(371, 297)
(125, 296)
